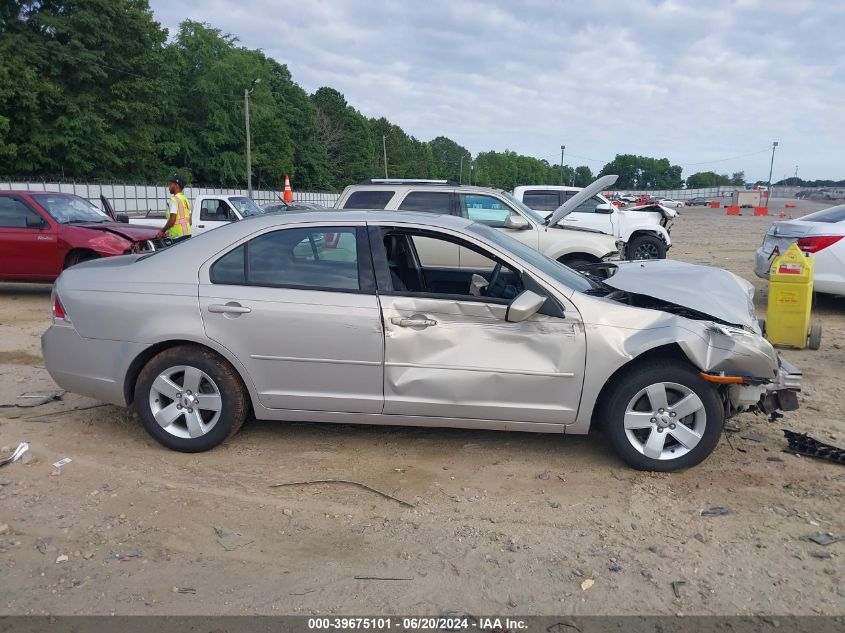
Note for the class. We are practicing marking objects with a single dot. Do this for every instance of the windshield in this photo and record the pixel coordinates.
(66, 208)
(245, 206)
(554, 269)
(531, 213)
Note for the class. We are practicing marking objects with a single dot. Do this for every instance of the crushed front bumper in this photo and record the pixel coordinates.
(782, 393)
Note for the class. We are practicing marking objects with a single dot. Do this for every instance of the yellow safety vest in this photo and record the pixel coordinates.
(183, 217)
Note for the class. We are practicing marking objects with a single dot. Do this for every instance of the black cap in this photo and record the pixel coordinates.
(178, 180)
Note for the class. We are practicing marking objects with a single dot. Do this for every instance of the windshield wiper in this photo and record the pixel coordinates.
(79, 221)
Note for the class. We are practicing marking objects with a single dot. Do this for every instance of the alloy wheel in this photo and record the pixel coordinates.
(185, 401)
(665, 420)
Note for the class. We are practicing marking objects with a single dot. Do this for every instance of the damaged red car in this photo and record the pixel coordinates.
(42, 233)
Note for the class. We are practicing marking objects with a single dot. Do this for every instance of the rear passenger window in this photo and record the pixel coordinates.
(295, 258)
(541, 200)
(368, 200)
(428, 201)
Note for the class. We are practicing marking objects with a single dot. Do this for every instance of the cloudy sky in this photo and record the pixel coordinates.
(708, 84)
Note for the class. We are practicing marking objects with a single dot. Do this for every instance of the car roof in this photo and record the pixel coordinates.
(359, 215)
(547, 188)
(421, 187)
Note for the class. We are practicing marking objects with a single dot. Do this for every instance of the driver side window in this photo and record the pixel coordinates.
(410, 273)
(214, 210)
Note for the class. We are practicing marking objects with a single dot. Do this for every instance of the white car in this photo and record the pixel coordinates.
(577, 248)
(819, 234)
(207, 212)
(644, 229)
(672, 204)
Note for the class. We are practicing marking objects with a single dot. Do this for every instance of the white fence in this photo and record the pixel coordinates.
(141, 198)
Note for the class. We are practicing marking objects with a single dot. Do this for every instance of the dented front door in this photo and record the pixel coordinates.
(461, 359)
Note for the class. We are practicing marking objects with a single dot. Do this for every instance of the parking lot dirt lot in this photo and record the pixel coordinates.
(503, 523)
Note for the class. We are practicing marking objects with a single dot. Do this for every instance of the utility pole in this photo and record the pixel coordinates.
(384, 150)
(461, 176)
(771, 166)
(247, 92)
(562, 150)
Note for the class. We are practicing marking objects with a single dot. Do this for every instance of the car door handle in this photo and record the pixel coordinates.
(200, 226)
(228, 308)
(414, 321)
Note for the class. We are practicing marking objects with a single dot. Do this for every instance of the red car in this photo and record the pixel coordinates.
(42, 233)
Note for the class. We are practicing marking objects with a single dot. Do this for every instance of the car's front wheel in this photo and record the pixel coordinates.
(646, 247)
(190, 399)
(663, 416)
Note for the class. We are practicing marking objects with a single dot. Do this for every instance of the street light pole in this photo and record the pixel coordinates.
(247, 92)
(384, 149)
(562, 150)
(461, 173)
(771, 166)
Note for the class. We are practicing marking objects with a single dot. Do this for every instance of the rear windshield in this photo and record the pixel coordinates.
(368, 200)
(831, 215)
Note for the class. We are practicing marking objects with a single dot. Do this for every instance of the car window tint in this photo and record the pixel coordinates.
(428, 202)
(832, 215)
(588, 206)
(229, 269)
(542, 200)
(305, 258)
(485, 209)
(214, 210)
(368, 200)
(13, 213)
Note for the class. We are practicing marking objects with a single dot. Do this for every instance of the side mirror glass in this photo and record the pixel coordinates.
(35, 221)
(123, 218)
(604, 208)
(515, 221)
(524, 306)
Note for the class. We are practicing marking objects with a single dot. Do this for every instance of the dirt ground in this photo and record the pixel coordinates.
(503, 523)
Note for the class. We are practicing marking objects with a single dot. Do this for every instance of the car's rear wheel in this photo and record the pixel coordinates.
(646, 247)
(663, 416)
(189, 399)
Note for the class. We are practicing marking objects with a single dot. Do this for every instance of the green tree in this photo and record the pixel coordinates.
(451, 160)
(705, 179)
(81, 88)
(345, 133)
(643, 172)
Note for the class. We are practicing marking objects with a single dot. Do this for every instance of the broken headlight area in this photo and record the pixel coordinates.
(147, 246)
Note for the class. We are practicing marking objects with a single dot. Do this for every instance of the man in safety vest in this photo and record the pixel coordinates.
(178, 225)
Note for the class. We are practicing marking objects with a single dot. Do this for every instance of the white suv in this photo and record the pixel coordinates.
(644, 229)
(576, 248)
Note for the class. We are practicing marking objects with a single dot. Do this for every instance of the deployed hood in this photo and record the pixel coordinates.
(711, 291)
(666, 211)
(131, 232)
(597, 186)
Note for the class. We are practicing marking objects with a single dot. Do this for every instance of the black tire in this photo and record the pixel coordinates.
(576, 263)
(78, 257)
(234, 403)
(814, 340)
(646, 247)
(626, 387)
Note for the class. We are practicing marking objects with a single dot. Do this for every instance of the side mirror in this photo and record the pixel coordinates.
(35, 221)
(515, 221)
(123, 218)
(604, 208)
(526, 305)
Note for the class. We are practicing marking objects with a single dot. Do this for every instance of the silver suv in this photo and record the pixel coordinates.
(576, 248)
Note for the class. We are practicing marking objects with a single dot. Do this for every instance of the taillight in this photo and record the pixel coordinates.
(58, 309)
(817, 243)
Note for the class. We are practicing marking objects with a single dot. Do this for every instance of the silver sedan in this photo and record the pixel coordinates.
(345, 317)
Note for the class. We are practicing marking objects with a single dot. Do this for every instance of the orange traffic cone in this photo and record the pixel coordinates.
(288, 195)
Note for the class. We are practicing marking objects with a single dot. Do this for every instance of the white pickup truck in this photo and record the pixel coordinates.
(644, 229)
(207, 212)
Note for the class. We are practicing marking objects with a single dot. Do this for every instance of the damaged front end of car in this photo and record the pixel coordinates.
(709, 314)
